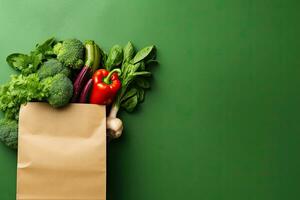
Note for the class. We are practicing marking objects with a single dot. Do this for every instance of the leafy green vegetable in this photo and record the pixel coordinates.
(114, 58)
(141, 94)
(57, 90)
(128, 52)
(52, 67)
(133, 77)
(143, 83)
(70, 52)
(134, 82)
(20, 90)
(9, 133)
(130, 104)
(30, 63)
(46, 48)
(132, 97)
(130, 93)
(142, 54)
(42, 78)
(26, 64)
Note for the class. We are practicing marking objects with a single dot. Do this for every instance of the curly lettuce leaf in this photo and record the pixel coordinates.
(20, 90)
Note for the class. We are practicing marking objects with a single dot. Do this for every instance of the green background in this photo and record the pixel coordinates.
(221, 121)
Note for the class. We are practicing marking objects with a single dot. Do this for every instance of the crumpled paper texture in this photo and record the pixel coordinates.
(62, 152)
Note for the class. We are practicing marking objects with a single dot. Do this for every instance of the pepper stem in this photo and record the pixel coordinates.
(107, 79)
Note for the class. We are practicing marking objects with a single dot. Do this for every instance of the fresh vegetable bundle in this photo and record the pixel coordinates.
(69, 71)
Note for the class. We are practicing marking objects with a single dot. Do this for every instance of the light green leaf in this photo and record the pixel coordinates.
(18, 61)
(26, 64)
(128, 52)
(142, 54)
(115, 57)
(143, 73)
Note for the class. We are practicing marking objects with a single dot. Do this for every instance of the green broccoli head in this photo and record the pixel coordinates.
(70, 52)
(52, 67)
(60, 90)
(9, 133)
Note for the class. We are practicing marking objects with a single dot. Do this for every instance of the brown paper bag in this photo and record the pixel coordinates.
(62, 152)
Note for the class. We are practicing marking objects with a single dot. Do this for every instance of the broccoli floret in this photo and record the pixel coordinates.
(9, 133)
(51, 68)
(70, 52)
(60, 90)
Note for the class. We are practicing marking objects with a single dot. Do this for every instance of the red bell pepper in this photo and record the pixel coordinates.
(105, 86)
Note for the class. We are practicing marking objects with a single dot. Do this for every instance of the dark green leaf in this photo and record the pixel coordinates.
(128, 94)
(142, 54)
(18, 61)
(46, 48)
(152, 62)
(129, 70)
(26, 64)
(115, 57)
(128, 52)
(143, 83)
(141, 94)
(142, 66)
(103, 56)
(134, 68)
(36, 60)
(130, 103)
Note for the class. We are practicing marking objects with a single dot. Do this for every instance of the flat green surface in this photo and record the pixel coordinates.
(222, 119)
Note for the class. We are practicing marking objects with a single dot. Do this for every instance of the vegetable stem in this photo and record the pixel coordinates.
(113, 111)
(107, 79)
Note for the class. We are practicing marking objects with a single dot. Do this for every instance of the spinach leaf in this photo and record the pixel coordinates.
(142, 66)
(128, 52)
(130, 103)
(114, 58)
(29, 63)
(133, 76)
(130, 93)
(142, 54)
(141, 95)
(143, 83)
(18, 60)
(26, 64)
(46, 48)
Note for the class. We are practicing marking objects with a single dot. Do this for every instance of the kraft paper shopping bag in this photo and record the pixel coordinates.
(62, 152)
